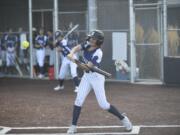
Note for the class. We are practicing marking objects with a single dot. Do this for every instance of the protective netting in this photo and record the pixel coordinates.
(148, 39)
(173, 31)
(112, 16)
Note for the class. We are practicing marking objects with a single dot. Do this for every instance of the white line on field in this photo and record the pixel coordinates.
(97, 127)
(159, 126)
(82, 134)
(79, 127)
(4, 130)
(135, 131)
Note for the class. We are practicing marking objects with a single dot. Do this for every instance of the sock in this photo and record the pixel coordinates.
(76, 81)
(61, 81)
(42, 70)
(76, 113)
(115, 112)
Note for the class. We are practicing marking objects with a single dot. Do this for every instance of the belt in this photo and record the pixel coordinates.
(40, 48)
(89, 71)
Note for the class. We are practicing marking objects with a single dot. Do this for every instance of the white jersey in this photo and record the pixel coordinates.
(94, 56)
(65, 49)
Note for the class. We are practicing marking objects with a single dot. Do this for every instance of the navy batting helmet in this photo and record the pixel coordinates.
(58, 33)
(98, 35)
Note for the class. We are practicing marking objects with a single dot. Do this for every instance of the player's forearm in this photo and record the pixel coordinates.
(75, 49)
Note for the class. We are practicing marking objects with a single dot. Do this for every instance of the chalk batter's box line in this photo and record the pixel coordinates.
(135, 131)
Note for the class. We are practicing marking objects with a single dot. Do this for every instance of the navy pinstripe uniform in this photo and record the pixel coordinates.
(40, 43)
(3, 50)
(94, 81)
(66, 63)
(11, 41)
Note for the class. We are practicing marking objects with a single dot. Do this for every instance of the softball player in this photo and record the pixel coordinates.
(22, 51)
(92, 80)
(11, 43)
(40, 43)
(66, 63)
(0, 56)
(51, 46)
(3, 52)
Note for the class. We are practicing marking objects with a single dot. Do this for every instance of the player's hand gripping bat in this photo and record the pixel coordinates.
(94, 69)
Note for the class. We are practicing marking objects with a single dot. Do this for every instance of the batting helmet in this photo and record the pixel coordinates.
(98, 35)
(58, 33)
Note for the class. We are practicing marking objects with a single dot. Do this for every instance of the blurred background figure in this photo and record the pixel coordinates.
(40, 44)
(35, 66)
(11, 44)
(66, 64)
(3, 52)
(23, 49)
(0, 58)
(50, 47)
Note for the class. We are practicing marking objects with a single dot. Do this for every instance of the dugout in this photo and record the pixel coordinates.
(139, 32)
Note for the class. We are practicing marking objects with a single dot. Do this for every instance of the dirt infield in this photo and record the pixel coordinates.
(33, 103)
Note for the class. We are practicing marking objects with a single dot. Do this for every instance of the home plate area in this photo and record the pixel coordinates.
(94, 130)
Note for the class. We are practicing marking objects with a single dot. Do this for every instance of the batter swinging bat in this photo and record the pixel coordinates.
(95, 69)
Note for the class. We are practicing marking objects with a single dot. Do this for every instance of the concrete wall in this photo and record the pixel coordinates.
(173, 2)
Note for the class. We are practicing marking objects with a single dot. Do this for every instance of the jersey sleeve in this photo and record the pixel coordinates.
(64, 42)
(97, 57)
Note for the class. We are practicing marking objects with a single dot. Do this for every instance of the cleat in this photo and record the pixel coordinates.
(76, 90)
(40, 76)
(127, 124)
(57, 88)
(72, 129)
